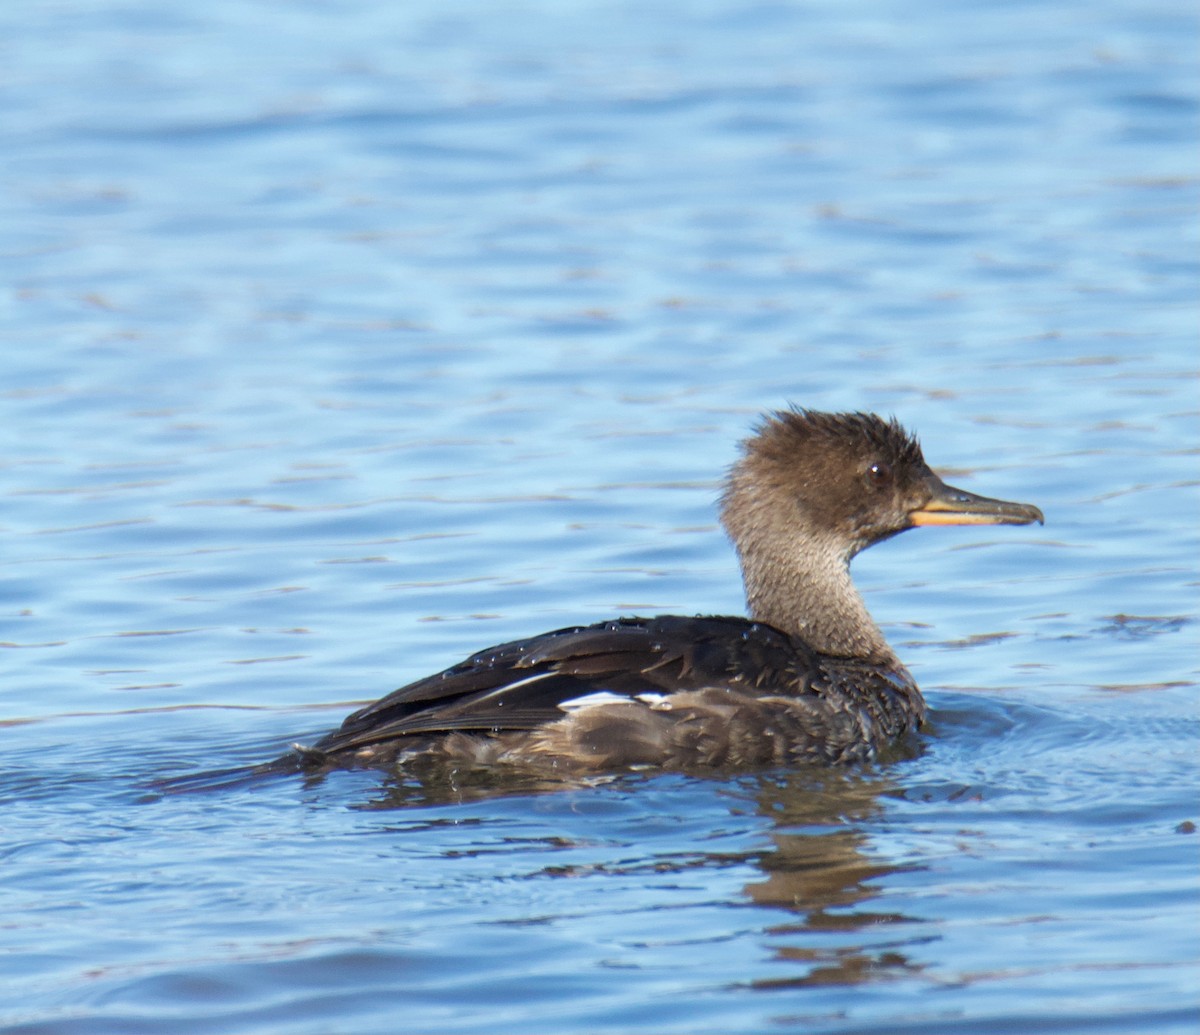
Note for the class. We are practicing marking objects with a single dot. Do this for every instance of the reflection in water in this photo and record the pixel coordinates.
(819, 865)
(821, 868)
(816, 877)
(431, 782)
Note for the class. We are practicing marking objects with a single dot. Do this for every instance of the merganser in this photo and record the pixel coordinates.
(807, 678)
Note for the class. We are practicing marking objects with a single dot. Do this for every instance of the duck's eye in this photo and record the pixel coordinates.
(879, 475)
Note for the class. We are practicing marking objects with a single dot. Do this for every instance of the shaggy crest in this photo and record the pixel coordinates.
(782, 434)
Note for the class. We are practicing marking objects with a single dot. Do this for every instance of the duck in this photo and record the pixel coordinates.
(806, 677)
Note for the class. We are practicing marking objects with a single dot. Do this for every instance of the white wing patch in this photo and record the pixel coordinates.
(600, 698)
(592, 700)
(657, 701)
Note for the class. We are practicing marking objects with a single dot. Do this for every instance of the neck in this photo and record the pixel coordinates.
(806, 591)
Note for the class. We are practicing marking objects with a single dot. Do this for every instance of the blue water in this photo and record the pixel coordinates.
(342, 340)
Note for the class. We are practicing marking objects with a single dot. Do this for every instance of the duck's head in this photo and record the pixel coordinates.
(843, 482)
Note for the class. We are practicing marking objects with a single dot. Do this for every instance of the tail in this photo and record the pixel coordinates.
(299, 760)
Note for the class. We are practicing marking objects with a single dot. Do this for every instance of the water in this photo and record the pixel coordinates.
(344, 340)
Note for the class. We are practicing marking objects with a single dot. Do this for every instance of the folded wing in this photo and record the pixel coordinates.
(528, 683)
